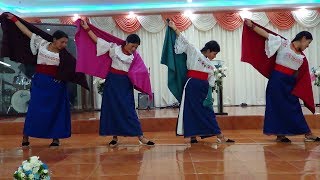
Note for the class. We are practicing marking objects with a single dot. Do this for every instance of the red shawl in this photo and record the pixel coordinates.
(253, 52)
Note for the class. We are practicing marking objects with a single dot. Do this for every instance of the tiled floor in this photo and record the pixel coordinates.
(85, 156)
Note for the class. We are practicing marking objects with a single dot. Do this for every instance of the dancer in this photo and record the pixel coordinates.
(289, 70)
(118, 115)
(48, 113)
(195, 118)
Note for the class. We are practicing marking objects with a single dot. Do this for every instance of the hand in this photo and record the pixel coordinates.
(84, 24)
(9, 15)
(172, 25)
(248, 22)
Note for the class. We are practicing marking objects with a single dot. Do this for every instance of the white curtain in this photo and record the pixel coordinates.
(243, 83)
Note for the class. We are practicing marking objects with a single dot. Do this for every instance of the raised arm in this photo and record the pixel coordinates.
(256, 29)
(173, 26)
(90, 33)
(22, 27)
(182, 45)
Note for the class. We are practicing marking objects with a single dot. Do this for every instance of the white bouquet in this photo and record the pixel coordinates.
(100, 84)
(32, 169)
(219, 73)
(315, 76)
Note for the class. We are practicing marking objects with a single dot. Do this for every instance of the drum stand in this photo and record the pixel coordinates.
(9, 108)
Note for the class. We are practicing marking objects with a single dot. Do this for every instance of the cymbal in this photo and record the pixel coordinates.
(6, 70)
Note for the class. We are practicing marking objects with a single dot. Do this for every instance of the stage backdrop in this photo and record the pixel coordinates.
(243, 84)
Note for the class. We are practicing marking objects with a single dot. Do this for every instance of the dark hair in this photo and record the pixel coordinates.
(59, 34)
(133, 38)
(302, 34)
(212, 46)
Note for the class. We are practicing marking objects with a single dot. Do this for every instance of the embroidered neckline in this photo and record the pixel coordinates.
(46, 45)
(121, 55)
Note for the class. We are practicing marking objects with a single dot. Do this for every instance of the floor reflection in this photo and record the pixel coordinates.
(86, 156)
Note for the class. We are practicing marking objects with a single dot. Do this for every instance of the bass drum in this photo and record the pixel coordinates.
(20, 101)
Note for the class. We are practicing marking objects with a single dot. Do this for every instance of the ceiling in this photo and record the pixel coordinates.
(48, 8)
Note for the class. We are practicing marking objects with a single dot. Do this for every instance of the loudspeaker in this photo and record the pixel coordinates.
(143, 101)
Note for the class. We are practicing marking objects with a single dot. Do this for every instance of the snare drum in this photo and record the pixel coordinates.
(20, 101)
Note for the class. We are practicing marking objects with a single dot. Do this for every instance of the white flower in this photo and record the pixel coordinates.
(20, 169)
(31, 176)
(45, 171)
(317, 73)
(101, 81)
(214, 70)
(35, 164)
(26, 166)
(23, 175)
(34, 159)
(225, 69)
(35, 170)
(219, 68)
(219, 75)
(96, 80)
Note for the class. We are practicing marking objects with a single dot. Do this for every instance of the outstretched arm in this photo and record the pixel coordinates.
(256, 29)
(173, 26)
(90, 33)
(22, 27)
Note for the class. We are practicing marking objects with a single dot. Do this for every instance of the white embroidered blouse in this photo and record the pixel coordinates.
(40, 46)
(195, 59)
(285, 56)
(120, 61)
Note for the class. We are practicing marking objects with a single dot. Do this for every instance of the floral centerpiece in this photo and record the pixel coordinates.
(315, 75)
(219, 73)
(32, 169)
(100, 84)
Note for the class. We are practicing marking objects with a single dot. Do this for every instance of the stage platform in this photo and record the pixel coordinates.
(157, 120)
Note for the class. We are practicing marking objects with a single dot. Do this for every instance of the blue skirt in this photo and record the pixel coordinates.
(118, 115)
(48, 113)
(283, 115)
(195, 119)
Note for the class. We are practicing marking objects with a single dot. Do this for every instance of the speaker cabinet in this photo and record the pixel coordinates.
(143, 101)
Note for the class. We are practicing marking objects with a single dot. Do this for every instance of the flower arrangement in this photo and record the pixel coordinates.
(100, 84)
(32, 169)
(219, 73)
(315, 76)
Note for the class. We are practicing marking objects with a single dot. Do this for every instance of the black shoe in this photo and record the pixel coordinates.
(113, 143)
(223, 139)
(283, 139)
(312, 139)
(54, 144)
(230, 141)
(193, 140)
(149, 143)
(25, 144)
(203, 137)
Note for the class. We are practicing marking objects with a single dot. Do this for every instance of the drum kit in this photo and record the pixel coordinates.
(18, 96)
